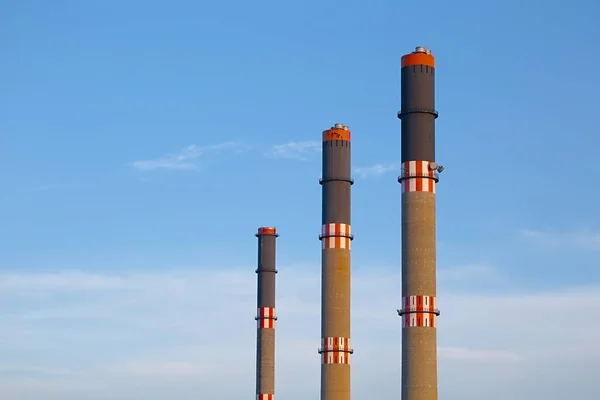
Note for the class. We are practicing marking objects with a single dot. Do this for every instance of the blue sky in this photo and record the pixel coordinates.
(144, 142)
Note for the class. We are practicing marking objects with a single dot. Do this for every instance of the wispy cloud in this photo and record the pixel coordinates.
(186, 159)
(375, 170)
(22, 284)
(191, 331)
(475, 355)
(470, 272)
(584, 239)
(296, 150)
(165, 369)
(29, 369)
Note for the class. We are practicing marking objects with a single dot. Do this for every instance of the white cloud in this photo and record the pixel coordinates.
(36, 370)
(375, 170)
(186, 159)
(470, 272)
(584, 239)
(161, 370)
(486, 356)
(296, 150)
(26, 283)
(190, 333)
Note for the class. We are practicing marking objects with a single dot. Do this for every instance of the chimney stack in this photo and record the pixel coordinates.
(419, 175)
(335, 258)
(265, 338)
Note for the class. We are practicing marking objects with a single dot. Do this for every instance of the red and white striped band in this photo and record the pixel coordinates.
(336, 236)
(417, 176)
(265, 396)
(335, 350)
(419, 320)
(266, 317)
(418, 303)
(335, 357)
(335, 344)
(418, 311)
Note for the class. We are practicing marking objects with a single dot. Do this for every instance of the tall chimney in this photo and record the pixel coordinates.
(419, 175)
(265, 338)
(335, 257)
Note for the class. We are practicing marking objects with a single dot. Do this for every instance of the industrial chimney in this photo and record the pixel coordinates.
(265, 338)
(419, 175)
(335, 257)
